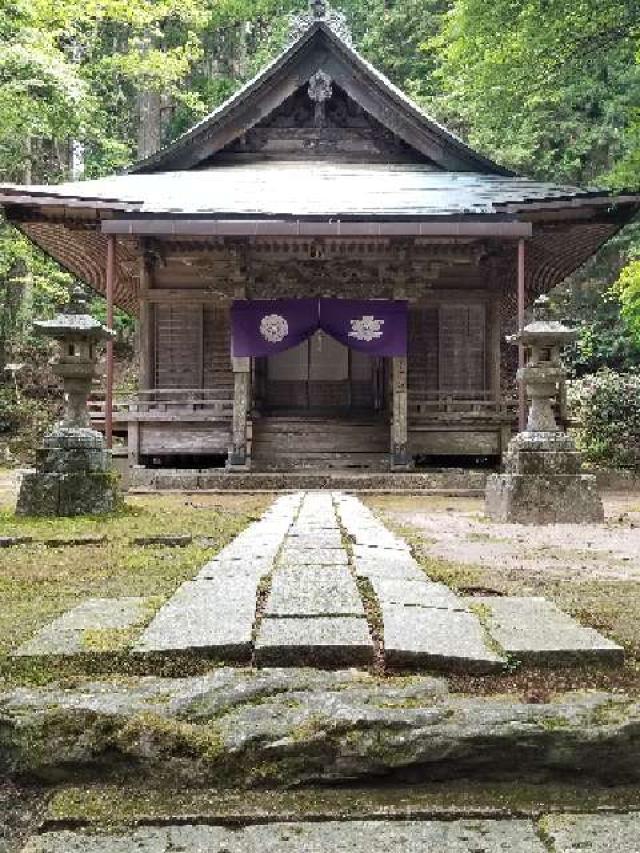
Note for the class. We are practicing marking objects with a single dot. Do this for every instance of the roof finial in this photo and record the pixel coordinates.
(320, 10)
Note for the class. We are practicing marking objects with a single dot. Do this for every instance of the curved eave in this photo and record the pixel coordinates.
(556, 249)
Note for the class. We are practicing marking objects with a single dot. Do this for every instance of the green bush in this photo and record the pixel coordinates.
(606, 406)
(23, 422)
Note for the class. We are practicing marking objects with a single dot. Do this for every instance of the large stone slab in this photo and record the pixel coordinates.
(339, 641)
(535, 631)
(443, 639)
(595, 833)
(314, 591)
(97, 624)
(210, 616)
(234, 727)
(357, 836)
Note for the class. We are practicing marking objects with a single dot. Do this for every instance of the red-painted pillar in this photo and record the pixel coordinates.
(111, 278)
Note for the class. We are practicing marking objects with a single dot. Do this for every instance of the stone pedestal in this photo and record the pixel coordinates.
(543, 483)
(73, 477)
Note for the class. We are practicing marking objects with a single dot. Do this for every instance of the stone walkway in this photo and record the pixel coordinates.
(549, 834)
(291, 590)
(319, 580)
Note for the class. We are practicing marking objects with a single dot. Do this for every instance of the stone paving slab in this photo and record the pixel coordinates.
(602, 833)
(370, 562)
(314, 591)
(313, 556)
(410, 836)
(535, 631)
(67, 635)
(316, 539)
(208, 616)
(415, 593)
(223, 567)
(452, 639)
(339, 641)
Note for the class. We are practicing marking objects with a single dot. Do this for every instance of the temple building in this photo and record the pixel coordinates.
(323, 275)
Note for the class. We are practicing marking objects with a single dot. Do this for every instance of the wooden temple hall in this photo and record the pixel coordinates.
(323, 275)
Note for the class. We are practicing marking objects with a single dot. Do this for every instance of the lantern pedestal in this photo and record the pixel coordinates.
(543, 483)
(73, 477)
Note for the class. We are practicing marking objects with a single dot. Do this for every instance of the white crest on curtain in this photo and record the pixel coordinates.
(274, 328)
(367, 328)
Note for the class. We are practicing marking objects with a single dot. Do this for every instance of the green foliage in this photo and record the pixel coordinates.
(607, 406)
(628, 287)
(551, 89)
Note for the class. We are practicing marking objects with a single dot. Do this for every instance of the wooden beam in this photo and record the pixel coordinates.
(522, 396)
(159, 226)
(110, 286)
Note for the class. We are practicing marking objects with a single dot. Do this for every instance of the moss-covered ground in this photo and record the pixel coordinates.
(39, 583)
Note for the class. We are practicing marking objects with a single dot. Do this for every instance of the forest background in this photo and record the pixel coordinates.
(550, 88)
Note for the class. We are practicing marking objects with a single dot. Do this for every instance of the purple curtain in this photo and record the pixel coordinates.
(266, 326)
(374, 326)
(262, 327)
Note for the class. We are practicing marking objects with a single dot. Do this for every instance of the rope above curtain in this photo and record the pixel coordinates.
(263, 327)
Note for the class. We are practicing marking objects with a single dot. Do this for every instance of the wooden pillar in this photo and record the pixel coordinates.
(146, 371)
(110, 286)
(239, 457)
(522, 397)
(400, 459)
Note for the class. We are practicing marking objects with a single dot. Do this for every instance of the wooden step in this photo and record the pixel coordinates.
(287, 443)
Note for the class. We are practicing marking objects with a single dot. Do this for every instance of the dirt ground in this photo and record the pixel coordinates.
(456, 530)
(591, 571)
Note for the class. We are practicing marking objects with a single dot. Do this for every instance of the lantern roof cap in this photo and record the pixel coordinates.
(543, 331)
(74, 322)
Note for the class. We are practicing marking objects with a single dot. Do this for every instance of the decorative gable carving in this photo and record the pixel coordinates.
(321, 120)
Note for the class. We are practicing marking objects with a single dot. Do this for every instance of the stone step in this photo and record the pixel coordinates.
(459, 836)
(316, 641)
(536, 632)
(436, 638)
(448, 483)
(98, 624)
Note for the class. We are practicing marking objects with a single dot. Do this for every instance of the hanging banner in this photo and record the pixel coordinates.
(374, 326)
(262, 327)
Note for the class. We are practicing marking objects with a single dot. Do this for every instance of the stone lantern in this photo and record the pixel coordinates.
(543, 483)
(73, 467)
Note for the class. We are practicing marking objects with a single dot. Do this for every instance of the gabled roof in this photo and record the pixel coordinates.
(319, 48)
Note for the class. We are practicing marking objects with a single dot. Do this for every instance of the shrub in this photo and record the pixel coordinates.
(606, 406)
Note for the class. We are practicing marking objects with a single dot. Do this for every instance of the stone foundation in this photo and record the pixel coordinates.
(73, 476)
(543, 484)
(543, 499)
(82, 493)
